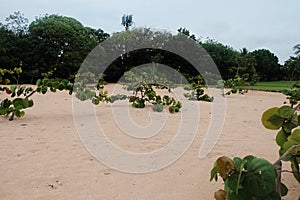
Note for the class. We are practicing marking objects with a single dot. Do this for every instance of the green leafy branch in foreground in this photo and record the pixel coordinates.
(249, 178)
(287, 121)
(256, 178)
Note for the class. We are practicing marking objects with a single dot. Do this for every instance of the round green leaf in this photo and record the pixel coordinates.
(95, 101)
(295, 136)
(52, 89)
(13, 88)
(214, 172)
(18, 103)
(290, 124)
(261, 176)
(39, 82)
(270, 120)
(237, 162)
(285, 112)
(30, 103)
(281, 138)
(22, 113)
(44, 89)
(246, 160)
(19, 113)
(39, 89)
(5, 103)
(288, 144)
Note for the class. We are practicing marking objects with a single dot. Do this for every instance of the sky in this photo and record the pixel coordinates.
(255, 24)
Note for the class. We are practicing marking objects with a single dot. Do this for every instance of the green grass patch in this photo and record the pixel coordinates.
(272, 86)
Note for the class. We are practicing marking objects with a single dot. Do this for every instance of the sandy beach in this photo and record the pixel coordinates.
(42, 156)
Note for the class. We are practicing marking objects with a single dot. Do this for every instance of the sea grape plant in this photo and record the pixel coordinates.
(256, 178)
(235, 84)
(249, 178)
(287, 120)
(20, 95)
(197, 90)
(143, 91)
(87, 88)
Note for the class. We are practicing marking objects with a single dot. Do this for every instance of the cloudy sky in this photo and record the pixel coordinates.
(270, 24)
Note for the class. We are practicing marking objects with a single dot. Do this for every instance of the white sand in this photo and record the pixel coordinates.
(42, 156)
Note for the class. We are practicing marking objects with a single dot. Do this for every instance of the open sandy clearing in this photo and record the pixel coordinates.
(42, 156)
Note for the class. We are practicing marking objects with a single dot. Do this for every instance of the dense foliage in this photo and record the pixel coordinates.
(50, 43)
(59, 44)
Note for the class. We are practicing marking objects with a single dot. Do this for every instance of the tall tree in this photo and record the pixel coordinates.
(60, 44)
(246, 66)
(291, 68)
(266, 64)
(15, 43)
(125, 41)
(225, 57)
(8, 59)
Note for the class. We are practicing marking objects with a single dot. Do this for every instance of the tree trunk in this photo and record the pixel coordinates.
(278, 168)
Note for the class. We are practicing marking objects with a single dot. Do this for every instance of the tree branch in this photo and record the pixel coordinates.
(286, 171)
(30, 94)
(296, 108)
(286, 153)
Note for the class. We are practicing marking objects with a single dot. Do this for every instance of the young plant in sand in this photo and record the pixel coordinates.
(236, 84)
(197, 85)
(146, 93)
(91, 88)
(256, 178)
(143, 92)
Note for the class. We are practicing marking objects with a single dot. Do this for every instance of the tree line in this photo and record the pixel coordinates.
(55, 46)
